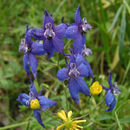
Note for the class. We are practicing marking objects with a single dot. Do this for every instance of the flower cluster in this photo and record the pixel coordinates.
(77, 67)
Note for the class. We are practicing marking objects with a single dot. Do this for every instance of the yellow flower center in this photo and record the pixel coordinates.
(96, 88)
(34, 104)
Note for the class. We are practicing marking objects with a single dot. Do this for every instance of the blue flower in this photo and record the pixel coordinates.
(79, 58)
(51, 35)
(30, 49)
(74, 73)
(36, 102)
(111, 91)
(77, 31)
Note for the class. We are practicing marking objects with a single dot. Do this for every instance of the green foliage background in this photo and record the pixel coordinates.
(109, 40)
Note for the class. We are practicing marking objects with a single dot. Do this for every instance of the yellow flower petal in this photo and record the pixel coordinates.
(79, 121)
(69, 114)
(62, 115)
(59, 127)
(79, 126)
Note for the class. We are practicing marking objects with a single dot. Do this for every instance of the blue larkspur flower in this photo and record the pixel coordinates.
(36, 102)
(30, 49)
(77, 31)
(111, 91)
(80, 58)
(74, 73)
(51, 35)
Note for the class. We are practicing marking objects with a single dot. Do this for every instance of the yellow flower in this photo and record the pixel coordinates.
(69, 123)
(96, 88)
(34, 104)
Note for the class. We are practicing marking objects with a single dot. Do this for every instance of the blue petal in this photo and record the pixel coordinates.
(89, 68)
(25, 63)
(28, 39)
(74, 90)
(71, 32)
(33, 90)
(79, 59)
(36, 33)
(83, 88)
(84, 72)
(37, 49)
(110, 100)
(62, 74)
(58, 44)
(110, 79)
(23, 99)
(33, 64)
(47, 18)
(77, 16)
(48, 47)
(78, 44)
(45, 102)
(60, 30)
(38, 117)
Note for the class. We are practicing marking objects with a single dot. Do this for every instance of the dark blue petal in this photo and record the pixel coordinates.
(48, 47)
(79, 59)
(37, 49)
(38, 117)
(84, 72)
(23, 99)
(33, 64)
(78, 44)
(60, 30)
(74, 90)
(45, 102)
(36, 33)
(71, 32)
(47, 18)
(77, 16)
(89, 68)
(110, 79)
(28, 39)
(58, 44)
(33, 90)
(83, 88)
(26, 64)
(62, 74)
(110, 100)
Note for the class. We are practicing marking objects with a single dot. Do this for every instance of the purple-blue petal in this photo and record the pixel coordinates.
(89, 68)
(110, 100)
(33, 90)
(47, 18)
(45, 102)
(79, 59)
(71, 32)
(36, 33)
(23, 99)
(33, 64)
(82, 68)
(78, 44)
(77, 16)
(74, 90)
(83, 88)
(58, 44)
(26, 64)
(110, 79)
(37, 49)
(62, 74)
(48, 47)
(60, 30)
(38, 117)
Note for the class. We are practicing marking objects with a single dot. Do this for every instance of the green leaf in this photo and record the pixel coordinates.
(116, 18)
(122, 35)
(125, 120)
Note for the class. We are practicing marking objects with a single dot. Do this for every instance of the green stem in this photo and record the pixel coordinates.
(118, 122)
(14, 125)
(65, 90)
